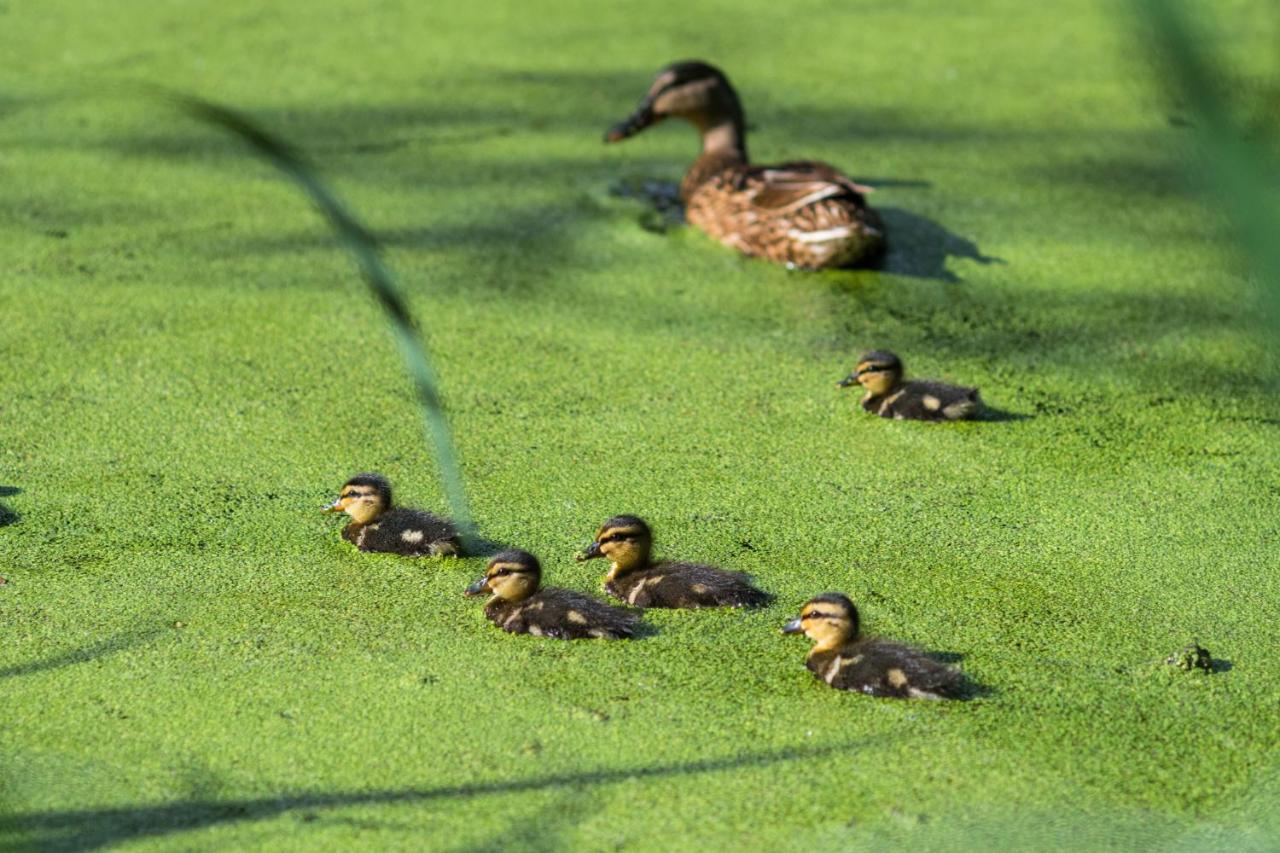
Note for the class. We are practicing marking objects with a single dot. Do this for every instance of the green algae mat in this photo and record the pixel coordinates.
(191, 658)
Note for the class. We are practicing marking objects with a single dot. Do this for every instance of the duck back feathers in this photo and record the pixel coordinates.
(564, 615)
(884, 668)
(926, 401)
(685, 585)
(408, 532)
(803, 214)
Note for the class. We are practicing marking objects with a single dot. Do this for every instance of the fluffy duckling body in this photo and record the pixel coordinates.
(869, 665)
(633, 577)
(804, 214)
(519, 604)
(880, 373)
(378, 526)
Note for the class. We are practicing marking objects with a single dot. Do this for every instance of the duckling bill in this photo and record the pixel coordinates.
(519, 604)
(870, 665)
(804, 214)
(635, 578)
(376, 525)
(880, 373)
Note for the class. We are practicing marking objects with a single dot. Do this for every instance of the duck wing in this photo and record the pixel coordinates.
(885, 668)
(564, 615)
(790, 186)
(691, 585)
(570, 615)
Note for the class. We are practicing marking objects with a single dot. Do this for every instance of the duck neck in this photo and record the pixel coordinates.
(627, 562)
(724, 145)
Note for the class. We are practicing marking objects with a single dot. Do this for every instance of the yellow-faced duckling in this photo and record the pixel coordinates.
(804, 214)
(874, 666)
(880, 372)
(377, 526)
(520, 605)
(633, 577)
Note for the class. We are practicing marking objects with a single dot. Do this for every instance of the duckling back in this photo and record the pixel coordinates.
(686, 585)
(408, 532)
(883, 668)
(926, 401)
(564, 615)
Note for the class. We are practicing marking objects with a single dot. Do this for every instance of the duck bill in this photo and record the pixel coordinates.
(480, 587)
(793, 627)
(851, 379)
(336, 506)
(636, 122)
(593, 551)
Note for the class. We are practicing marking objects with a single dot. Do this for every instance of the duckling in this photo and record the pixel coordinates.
(377, 526)
(804, 214)
(633, 577)
(519, 606)
(871, 665)
(880, 372)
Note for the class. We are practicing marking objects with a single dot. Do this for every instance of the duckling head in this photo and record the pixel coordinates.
(830, 620)
(364, 497)
(879, 371)
(511, 576)
(692, 90)
(625, 541)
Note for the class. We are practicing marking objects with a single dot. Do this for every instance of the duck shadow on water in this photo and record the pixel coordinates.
(969, 689)
(990, 414)
(7, 515)
(918, 247)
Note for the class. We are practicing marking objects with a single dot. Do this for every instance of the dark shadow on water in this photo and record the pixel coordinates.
(990, 414)
(920, 247)
(93, 828)
(7, 515)
(893, 182)
(103, 648)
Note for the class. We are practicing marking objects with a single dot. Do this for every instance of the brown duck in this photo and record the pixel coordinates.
(519, 604)
(880, 373)
(804, 214)
(377, 526)
(870, 665)
(626, 542)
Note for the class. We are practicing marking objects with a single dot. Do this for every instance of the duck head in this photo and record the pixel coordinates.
(878, 371)
(700, 94)
(830, 620)
(364, 497)
(510, 576)
(625, 541)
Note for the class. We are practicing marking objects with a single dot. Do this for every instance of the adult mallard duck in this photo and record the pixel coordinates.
(870, 665)
(377, 526)
(520, 604)
(804, 214)
(634, 577)
(880, 373)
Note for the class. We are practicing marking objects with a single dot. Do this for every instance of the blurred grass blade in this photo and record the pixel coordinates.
(1240, 172)
(361, 245)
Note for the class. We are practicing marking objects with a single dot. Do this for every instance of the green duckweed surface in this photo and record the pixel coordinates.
(191, 658)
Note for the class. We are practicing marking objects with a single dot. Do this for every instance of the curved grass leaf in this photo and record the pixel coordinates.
(363, 247)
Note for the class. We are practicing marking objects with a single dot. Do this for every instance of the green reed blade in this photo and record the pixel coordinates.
(363, 247)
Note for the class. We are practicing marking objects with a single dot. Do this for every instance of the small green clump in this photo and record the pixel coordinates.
(1192, 657)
